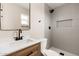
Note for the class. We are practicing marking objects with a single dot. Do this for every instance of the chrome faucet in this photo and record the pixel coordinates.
(19, 37)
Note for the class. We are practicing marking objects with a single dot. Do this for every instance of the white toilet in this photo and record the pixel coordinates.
(47, 52)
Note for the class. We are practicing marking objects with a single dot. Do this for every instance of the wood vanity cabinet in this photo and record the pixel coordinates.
(33, 50)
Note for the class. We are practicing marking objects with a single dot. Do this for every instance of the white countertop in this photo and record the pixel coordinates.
(15, 46)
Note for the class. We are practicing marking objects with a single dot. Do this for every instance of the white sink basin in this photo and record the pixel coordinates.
(21, 42)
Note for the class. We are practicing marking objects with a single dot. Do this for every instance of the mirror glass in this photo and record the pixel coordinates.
(15, 16)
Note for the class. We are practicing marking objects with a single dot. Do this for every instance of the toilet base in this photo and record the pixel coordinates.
(49, 53)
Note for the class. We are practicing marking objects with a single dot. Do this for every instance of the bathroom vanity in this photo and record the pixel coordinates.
(27, 47)
(33, 50)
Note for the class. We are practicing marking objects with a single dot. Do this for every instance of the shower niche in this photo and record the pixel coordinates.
(64, 23)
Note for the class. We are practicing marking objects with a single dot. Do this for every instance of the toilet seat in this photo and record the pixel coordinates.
(49, 53)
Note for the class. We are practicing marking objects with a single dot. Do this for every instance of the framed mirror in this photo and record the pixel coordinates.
(15, 16)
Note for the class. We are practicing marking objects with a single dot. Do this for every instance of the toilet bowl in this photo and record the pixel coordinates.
(47, 52)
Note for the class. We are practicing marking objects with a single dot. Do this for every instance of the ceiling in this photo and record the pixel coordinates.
(24, 5)
(51, 5)
(55, 5)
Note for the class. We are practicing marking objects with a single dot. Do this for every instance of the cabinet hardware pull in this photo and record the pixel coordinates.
(30, 53)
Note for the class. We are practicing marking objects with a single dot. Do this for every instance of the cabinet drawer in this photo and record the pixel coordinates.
(22, 52)
(35, 47)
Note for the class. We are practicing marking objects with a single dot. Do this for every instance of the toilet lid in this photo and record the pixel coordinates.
(50, 53)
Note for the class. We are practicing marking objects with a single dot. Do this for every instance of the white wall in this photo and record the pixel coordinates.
(37, 29)
(66, 38)
(37, 13)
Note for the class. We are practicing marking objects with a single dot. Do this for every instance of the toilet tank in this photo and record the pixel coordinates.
(43, 43)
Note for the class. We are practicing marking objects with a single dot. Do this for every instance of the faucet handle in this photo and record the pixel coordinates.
(16, 38)
(21, 37)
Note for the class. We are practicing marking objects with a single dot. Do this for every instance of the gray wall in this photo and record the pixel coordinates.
(48, 19)
(66, 38)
